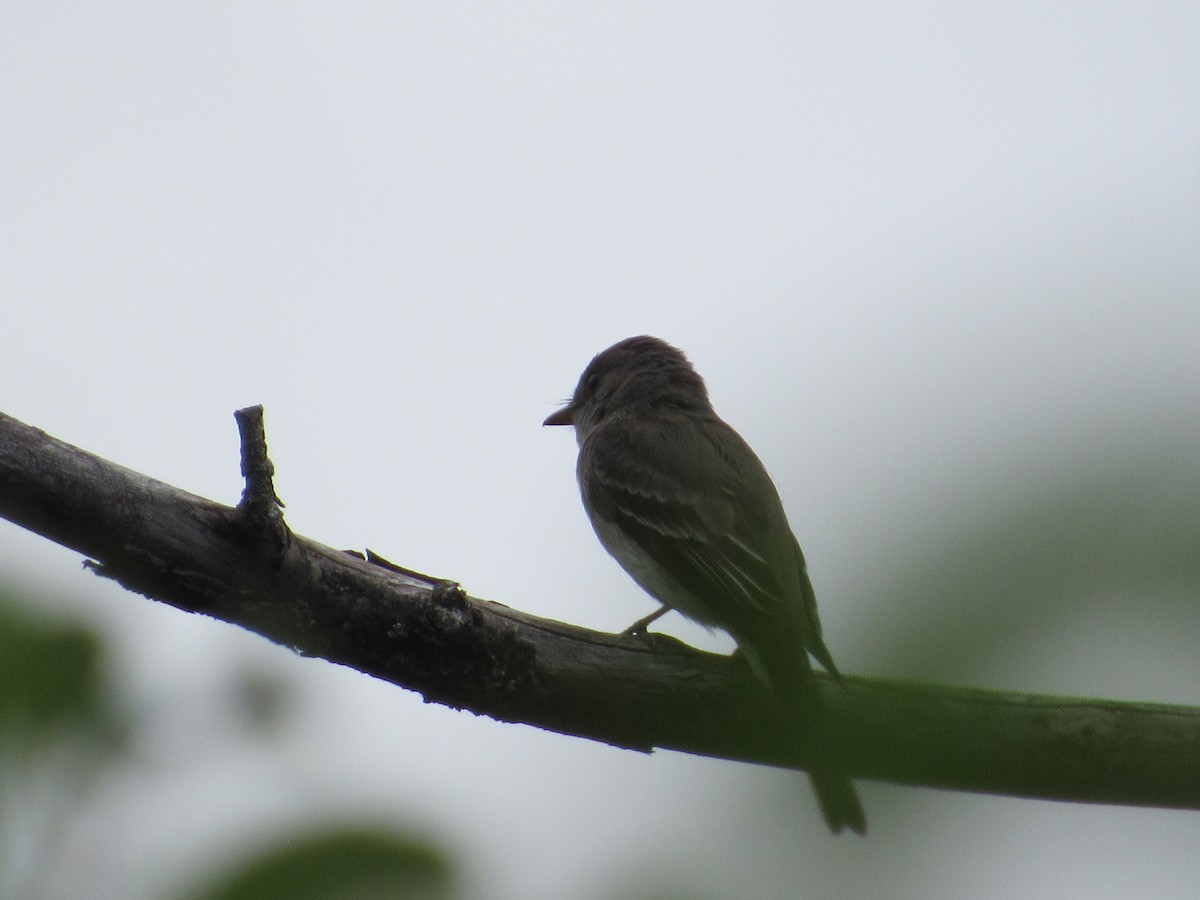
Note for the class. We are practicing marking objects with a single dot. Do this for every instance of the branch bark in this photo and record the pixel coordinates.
(242, 565)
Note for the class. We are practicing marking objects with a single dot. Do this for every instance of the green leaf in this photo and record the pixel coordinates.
(338, 865)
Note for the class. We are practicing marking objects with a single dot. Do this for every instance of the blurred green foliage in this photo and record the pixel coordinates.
(56, 728)
(49, 673)
(61, 734)
(1015, 558)
(338, 865)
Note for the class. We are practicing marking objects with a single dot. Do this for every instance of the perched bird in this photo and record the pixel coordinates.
(685, 506)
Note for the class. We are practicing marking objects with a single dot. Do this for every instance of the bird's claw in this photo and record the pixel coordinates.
(640, 626)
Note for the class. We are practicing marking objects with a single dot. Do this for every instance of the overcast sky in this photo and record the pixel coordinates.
(926, 256)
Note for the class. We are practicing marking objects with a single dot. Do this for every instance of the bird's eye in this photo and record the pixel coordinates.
(593, 382)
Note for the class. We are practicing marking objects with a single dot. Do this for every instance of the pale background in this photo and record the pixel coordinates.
(937, 263)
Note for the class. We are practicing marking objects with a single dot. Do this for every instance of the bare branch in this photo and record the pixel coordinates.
(260, 507)
(243, 566)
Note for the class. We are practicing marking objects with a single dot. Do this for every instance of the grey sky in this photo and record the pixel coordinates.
(918, 254)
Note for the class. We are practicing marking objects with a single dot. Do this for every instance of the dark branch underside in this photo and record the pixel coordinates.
(241, 565)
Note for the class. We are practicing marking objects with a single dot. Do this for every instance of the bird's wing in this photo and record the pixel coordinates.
(684, 494)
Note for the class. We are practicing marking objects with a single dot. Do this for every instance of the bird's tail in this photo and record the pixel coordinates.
(838, 800)
(792, 678)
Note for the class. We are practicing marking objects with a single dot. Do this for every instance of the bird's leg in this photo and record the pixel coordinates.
(639, 627)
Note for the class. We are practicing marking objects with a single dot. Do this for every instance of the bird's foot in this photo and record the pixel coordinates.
(640, 626)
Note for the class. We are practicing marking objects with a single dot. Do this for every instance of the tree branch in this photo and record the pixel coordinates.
(244, 566)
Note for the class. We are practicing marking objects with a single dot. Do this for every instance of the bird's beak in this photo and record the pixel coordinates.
(565, 416)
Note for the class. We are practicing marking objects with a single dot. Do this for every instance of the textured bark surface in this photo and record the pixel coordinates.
(242, 565)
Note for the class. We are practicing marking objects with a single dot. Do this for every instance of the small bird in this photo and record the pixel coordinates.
(688, 510)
